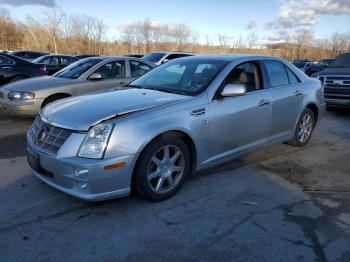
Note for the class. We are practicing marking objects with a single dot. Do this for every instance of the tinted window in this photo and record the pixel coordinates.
(5, 61)
(293, 79)
(245, 74)
(342, 61)
(67, 60)
(76, 69)
(138, 68)
(153, 57)
(276, 73)
(187, 77)
(115, 69)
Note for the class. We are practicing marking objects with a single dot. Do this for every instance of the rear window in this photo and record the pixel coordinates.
(153, 57)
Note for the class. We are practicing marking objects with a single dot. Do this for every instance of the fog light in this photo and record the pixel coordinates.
(82, 185)
(81, 174)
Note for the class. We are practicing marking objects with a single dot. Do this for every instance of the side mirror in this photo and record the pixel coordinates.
(95, 76)
(233, 90)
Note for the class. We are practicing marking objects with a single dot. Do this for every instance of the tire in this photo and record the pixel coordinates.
(53, 98)
(169, 173)
(304, 129)
(17, 78)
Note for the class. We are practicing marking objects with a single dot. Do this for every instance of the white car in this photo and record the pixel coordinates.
(159, 58)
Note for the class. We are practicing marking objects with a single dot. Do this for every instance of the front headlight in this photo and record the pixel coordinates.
(14, 95)
(95, 141)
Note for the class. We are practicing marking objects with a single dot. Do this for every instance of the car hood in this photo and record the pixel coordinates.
(38, 83)
(335, 71)
(82, 112)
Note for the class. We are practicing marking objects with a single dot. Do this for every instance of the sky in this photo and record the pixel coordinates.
(271, 20)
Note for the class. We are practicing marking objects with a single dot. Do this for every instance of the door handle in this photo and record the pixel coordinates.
(264, 102)
(298, 92)
(6, 67)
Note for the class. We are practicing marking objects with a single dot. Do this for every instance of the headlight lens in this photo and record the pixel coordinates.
(14, 95)
(95, 141)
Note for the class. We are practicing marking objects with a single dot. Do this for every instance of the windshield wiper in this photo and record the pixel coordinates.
(131, 85)
(169, 90)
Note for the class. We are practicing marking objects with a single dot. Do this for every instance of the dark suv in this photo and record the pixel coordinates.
(336, 80)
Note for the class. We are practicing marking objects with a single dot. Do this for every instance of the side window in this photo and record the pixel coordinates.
(5, 61)
(172, 56)
(65, 60)
(276, 73)
(138, 68)
(114, 69)
(246, 74)
(293, 79)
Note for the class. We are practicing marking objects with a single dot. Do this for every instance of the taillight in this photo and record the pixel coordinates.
(42, 68)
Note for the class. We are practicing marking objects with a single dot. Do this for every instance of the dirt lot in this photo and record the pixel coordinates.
(278, 204)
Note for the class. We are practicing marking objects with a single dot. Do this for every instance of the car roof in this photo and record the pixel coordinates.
(28, 51)
(232, 57)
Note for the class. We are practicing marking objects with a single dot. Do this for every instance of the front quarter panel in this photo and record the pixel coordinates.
(134, 132)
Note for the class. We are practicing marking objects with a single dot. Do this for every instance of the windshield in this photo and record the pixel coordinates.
(78, 68)
(153, 57)
(342, 61)
(325, 62)
(186, 77)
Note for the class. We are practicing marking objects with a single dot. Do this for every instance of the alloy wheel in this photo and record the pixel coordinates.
(165, 169)
(305, 128)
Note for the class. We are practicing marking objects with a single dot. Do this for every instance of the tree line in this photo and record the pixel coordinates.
(58, 32)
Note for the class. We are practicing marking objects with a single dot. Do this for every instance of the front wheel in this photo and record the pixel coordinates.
(162, 168)
(304, 129)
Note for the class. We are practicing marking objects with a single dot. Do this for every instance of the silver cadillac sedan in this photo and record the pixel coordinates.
(183, 116)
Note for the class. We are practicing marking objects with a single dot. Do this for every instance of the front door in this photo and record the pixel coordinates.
(242, 122)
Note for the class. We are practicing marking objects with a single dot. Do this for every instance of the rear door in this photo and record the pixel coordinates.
(242, 122)
(113, 74)
(287, 97)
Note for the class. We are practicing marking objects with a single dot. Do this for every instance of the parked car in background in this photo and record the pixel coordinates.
(13, 69)
(321, 65)
(55, 63)
(186, 115)
(84, 56)
(336, 81)
(26, 98)
(301, 64)
(163, 57)
(28, 55)
(138, 56)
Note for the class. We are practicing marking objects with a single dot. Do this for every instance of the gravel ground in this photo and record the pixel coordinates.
(277, 204)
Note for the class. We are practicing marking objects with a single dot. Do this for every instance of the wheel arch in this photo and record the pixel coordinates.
(172, 132)
(53, 95)
(313, 107)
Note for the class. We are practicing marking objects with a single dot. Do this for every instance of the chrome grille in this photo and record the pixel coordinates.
(337, 87)
(47, 138)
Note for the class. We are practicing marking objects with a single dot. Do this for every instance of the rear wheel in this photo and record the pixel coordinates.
(304, 129)
(162, 168)
(53, 98)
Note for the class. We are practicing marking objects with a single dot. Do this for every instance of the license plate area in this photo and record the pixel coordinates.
(34, 162)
